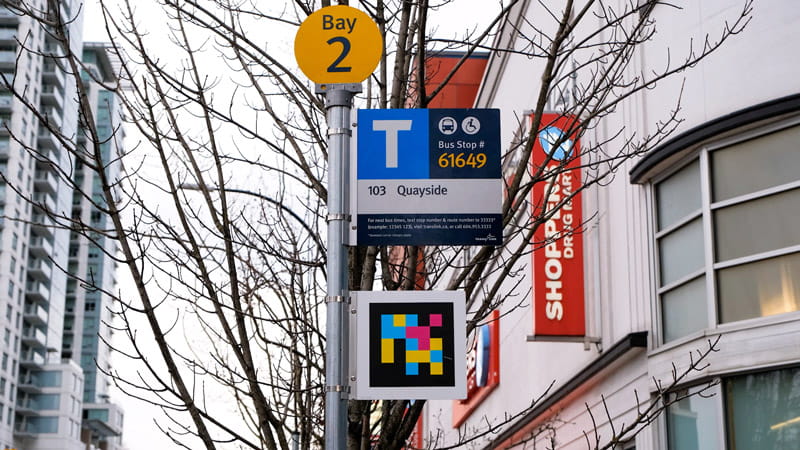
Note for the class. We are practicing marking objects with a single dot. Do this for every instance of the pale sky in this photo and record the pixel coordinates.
(140, 432)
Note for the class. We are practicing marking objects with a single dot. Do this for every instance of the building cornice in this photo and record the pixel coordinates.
(696, 136)
(631, 342)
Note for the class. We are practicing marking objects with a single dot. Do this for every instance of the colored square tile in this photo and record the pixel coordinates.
(387, 323)
(387, 351)
(418, 356)
(412, 344)
(436, 344)
(437, 369)
(399, 320)
(435, 320)
(437, 356)
(412, 368)
(411, 320)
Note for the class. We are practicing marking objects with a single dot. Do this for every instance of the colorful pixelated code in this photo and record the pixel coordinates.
(420, 347)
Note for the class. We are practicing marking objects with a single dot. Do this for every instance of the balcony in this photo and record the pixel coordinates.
(8, 58)
(51, 95)
(8, 36)
(32, 360)
(43, 225)
(7, 16)
(45, 181)
(53, 115)
(104, 419)
(22, 429)
(53, 74)
(30, 382)
(27, 405)
(44, 201)
(46, 140)
(5, 102)
(40, 269)
(35, 314)
(34, 337)
(37, 291)
(9, 77)
(41, 247)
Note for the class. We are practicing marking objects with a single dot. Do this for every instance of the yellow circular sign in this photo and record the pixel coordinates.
(338, 44)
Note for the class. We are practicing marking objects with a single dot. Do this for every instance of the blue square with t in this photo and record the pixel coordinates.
(393, 144)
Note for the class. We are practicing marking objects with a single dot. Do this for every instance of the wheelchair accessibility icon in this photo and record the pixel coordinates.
(471, 125)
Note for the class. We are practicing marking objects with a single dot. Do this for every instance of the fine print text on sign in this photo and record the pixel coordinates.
(338, 44)
(429, 177)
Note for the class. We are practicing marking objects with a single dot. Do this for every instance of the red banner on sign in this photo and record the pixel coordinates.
(558, 297)
(483, 368)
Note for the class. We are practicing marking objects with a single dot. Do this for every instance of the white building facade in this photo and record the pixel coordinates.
(694, 240)
(43, 402)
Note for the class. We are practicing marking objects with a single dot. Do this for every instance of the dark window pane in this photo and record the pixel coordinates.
(756, 164)
(684, 309)
(764, 410)
(692, 423)
(678, 195)
(760, 225)
(681, 252)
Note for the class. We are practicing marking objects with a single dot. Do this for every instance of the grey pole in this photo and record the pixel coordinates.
(338, 102)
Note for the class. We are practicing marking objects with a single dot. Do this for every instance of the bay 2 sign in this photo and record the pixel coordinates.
(558, 294)
(429, 177)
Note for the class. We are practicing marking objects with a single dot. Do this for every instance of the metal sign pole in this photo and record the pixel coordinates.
(338, 102)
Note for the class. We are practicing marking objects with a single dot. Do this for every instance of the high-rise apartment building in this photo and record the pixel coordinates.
(52, 395)
(88, 311)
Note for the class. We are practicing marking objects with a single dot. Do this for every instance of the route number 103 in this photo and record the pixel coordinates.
(376, 190)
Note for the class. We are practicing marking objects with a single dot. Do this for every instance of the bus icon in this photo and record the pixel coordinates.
(447, 125)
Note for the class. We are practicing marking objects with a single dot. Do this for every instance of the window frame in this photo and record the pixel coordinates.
(702, 154)
(716, 394)
(719, 395)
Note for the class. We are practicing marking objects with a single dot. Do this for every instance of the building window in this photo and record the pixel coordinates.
(757, 411)
(725, 230)
(764, 410)
(50, 378)
(42, 425)
(45, 402)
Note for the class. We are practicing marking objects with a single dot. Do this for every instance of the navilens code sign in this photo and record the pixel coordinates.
(409, 345)
(429, 177)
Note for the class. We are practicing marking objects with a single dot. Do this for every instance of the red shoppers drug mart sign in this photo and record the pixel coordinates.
(558, 294)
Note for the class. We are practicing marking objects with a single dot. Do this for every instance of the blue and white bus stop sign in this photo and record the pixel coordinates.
(429, 177)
